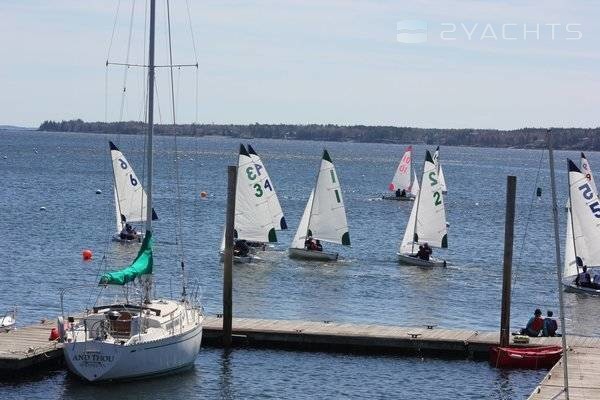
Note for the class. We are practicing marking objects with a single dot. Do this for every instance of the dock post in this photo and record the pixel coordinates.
(228, 256)
(509, 229)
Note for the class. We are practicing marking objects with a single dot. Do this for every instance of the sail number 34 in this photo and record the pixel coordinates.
(253, 173)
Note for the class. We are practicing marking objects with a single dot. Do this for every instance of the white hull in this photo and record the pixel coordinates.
(412, 259)
(97, 348)
(570, 286)
(312, 255)
(394, 197)
(240, 260)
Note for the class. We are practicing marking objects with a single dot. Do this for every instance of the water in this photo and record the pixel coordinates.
(41, 254)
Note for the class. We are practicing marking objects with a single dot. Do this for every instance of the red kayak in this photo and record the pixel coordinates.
(525, 357)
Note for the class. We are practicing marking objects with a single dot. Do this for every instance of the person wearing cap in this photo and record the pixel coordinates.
(535, 324)
(550, 325)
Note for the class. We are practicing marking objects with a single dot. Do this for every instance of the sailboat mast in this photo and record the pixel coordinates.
(417, 210)
(558, 268)
(150, 117)
(572, 226)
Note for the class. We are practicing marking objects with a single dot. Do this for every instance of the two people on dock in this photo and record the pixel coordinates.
(536, 325)
(312, 244)
(128, 233)
(425, 251)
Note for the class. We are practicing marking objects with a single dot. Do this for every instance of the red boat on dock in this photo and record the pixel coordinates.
(525, 357)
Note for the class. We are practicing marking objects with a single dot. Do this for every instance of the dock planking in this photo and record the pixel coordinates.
(29, 347)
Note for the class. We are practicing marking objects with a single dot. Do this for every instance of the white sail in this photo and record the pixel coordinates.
(570, 267)
(327, 220)
(585, 209)
(402, 176)
(439, 170)
(131, 199)
(587, 171)
(301, 232)
(414, 189)
(270, 194)
(428, 211)
(253, 220)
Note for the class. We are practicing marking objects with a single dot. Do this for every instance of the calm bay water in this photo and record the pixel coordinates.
(41, 254)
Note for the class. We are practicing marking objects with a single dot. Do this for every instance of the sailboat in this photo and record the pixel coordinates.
(401, 184)
(253, 217)
(583, 227)
(130, 197)
(146, 337)
(427, 221)
(324, 217)
(439, 170)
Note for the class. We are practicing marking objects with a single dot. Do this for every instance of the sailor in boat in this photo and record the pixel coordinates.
(128, 233)
(583, 278)
(550, 325)
(241, 248)
(424, 252)
(318, 245)
(534, 325)
(400, 193)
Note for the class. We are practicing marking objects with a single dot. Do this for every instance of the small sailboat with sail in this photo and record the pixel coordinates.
(130, 198)
(583, 230)
(401, 184)
(323, 219)
(135, 336)
(439, 170)
(253, 217)
(427, 221)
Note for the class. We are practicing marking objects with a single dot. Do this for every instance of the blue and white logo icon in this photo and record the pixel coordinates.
(411, 31)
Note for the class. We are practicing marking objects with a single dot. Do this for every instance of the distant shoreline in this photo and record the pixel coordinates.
(585, 139)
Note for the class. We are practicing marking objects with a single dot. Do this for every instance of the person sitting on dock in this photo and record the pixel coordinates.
(583, 278)
(550, 325)
(424, 252)
(534, 325)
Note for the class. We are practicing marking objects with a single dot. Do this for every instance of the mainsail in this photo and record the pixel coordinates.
(427, 221)
(439, 170)
(130, 197)
(270, 195)
(253, 220)
(142, 265)
(583, 222)
(324, 217)
(401, 179)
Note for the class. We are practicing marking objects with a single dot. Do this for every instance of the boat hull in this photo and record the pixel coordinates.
(117, 238)
(240, 260)
(525, 357)
(313, 255)
(97, 360)
(393, 197)
(412, 259)
(570, 286)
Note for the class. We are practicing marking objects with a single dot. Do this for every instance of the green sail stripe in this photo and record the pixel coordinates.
(142, 265)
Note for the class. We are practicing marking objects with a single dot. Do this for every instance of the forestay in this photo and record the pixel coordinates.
(130, 197)
(253, 219)
(269, 191)
(439, 170)
(428, 211)
(402, 176)
(583, 224)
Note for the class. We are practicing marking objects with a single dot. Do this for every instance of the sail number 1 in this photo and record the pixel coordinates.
(253, 173)
(588, 194)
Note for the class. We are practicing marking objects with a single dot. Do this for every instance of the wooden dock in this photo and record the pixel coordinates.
(28, 347)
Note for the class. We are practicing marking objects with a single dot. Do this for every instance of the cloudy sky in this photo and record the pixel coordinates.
(425, 63)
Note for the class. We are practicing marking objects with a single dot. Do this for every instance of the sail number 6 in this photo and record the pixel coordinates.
(123, 163)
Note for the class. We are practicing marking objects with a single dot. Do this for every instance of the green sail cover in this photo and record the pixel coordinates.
(142, 265)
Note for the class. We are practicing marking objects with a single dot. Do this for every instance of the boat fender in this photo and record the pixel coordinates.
(54, 335)
(60, 324)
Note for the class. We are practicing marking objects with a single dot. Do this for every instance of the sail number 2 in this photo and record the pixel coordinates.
(252, 175)
(588, 194)
(437, 197)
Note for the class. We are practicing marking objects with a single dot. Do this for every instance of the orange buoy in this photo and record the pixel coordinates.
(86, 254)
(203, 194)
(54, 335)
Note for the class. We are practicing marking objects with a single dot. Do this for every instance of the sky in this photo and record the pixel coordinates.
(434, 64)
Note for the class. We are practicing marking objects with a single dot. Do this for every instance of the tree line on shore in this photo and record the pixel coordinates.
(564, 138)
